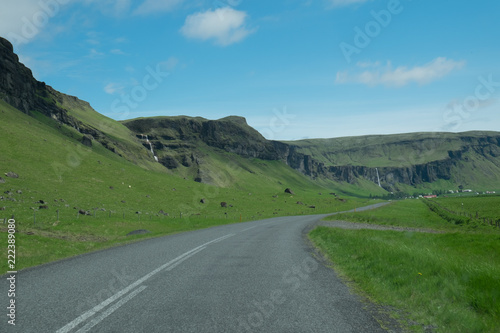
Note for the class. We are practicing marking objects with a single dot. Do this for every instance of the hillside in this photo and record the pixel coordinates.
(220, 152)
(470, 159)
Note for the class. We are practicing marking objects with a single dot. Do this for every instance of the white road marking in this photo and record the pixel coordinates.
(77, 321)
(110, 310)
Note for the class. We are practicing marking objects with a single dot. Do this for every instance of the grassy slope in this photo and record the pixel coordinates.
(447, 282)
(52, 165)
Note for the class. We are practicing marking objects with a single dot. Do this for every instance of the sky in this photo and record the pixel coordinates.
(294, 69)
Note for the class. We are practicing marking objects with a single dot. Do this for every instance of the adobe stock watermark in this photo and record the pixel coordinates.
(457, 113)
(372, 29)
(292, 280)
(278, 123)
(126, 102)
(32, 25)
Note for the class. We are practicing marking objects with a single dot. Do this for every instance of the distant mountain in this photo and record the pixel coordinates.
(197, 148)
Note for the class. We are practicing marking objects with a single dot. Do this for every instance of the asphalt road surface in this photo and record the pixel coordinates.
(257, 276)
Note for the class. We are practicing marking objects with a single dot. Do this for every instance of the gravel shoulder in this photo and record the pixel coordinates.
(357, 226)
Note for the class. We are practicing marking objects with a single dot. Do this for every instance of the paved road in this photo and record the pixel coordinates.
(250, 277)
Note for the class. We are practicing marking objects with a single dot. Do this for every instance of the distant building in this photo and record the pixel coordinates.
(467, 191)
(430, 196)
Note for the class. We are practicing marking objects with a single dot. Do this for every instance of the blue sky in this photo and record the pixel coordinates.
(294, 68)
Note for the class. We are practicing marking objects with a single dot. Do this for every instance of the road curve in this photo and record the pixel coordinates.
(257, 276)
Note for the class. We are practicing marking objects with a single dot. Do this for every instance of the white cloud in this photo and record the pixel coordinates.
(343, 3)
(21, 21)
(169, 64)
(156, 6)
(224, 25)
(401, 76)
(112, 88)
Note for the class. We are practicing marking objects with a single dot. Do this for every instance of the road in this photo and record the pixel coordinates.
(257, 276)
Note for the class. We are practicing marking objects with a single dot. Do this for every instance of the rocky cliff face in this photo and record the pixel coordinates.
(474, 152)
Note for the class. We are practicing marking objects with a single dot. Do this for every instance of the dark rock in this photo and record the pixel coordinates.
(299, 203)
(11, 174)
(312, 206)
(202, 201)
(8, 192)
(139, 232)
(223, 204)
(83, 212)
(87, 140)
(2, 181)
(289, 191)
(43, 207)
(42, 202)
(111, 188)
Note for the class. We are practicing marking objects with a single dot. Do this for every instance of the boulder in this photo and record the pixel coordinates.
(87, 140)
(223, 204)
(43, 207)
(202, 201)
(289, 191)
(11, 174)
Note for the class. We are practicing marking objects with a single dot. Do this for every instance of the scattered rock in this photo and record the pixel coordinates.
(2, 208)
(83, 212)
(148, 196)
(275, 196)
(300, 203)
(19, 192)
(42, 202)
(43, 207)
(111, 188)
(138, 212)
(11, 174)
(2, 181)
(223, 204)
(202, 201)
(8, 192)
(312, 206)
(123, 201)
(334, 194)
(139, 232)
(289, 191)
(161, 212)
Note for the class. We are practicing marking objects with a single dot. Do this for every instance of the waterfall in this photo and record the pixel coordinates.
(378, 178)
(150, 147)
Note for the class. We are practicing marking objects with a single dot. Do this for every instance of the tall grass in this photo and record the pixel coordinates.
(448, 282)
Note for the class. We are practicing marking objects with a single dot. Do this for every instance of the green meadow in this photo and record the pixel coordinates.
(448, 281)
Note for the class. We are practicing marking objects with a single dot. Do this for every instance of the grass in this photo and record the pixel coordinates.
(446, 282)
